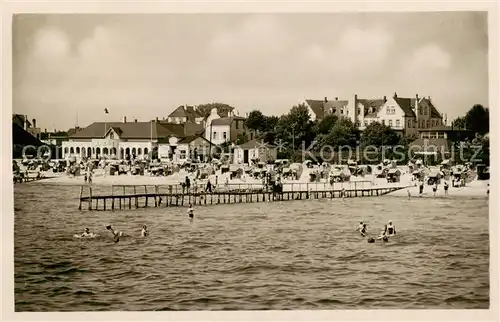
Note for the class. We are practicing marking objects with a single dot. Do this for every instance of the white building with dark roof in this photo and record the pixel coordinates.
(121, 139)
(405, 115)
(224, 129)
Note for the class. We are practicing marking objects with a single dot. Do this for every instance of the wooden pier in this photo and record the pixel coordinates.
(143, 196)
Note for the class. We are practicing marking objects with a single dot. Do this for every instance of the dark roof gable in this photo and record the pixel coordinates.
(407, 105)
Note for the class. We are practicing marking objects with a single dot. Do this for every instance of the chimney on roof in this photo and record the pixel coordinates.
(157, 119)
(135, 121)
(45, 130)
(385, 98)
(34, 122)
(416, 95)
(124, 119)
(395, 95)
(429, 97)
(355, 96)
(326, 99)
(336, 98)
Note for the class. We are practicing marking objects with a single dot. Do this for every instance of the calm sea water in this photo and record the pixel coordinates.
(282, 255)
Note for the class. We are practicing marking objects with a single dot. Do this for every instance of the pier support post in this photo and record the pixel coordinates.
(136, 199)
(90, 198)
(80, 203)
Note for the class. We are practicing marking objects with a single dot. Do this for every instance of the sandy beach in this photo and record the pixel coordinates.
(475, 188)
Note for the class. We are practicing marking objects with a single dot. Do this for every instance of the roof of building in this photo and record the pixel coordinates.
(133, 130)
(332, 106)
(193, 112)
(179, 112)
(374, 104)
(317, 106)
(434, 112)
(22, 137)
(226, 120)
(191, 138)
(21, 118)
(254, 144)
(407, 105)
(116, 129)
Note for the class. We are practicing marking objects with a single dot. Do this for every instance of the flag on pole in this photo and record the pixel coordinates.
(106, 111)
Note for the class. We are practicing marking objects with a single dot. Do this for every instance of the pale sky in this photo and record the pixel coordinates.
(143, 66)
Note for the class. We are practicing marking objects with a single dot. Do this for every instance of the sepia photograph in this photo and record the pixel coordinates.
(251, 161)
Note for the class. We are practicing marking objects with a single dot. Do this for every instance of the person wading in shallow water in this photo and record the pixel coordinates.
(144, 232)
(391, 229)
(191, 212)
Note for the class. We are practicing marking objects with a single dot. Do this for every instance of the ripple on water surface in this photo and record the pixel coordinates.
(283, 255)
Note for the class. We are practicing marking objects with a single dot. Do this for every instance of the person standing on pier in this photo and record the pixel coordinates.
(435, 188)
(421, 188)
(209, 186)
(445, 188)
(188, 184)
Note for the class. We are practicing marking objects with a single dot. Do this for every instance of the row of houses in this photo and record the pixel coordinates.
(406, 115)
(185, 134)
(191, 132)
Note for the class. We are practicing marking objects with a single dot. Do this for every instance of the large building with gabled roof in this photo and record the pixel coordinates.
(406, 115)
(125, 139)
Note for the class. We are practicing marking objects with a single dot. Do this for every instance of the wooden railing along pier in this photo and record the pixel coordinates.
(143, 196)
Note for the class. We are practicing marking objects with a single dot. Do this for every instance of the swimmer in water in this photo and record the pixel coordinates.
(86, 233)
(144, 232)
(383, 233)
(191, 212)
(363, 230)
(391, 229)
(116, 234)
(360, 226)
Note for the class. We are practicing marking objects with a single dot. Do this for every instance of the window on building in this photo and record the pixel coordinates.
(428, 124)
(342, 111)
(366, 123)
(390, 123)
(358, 124)
(237, 124)
(214, 136)
(224, 136)
(409, 123)
(111, 135)
(383, 122)
(398, 123)
(359, 111)
(420, 110)
(425, 110)
(182, 155)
